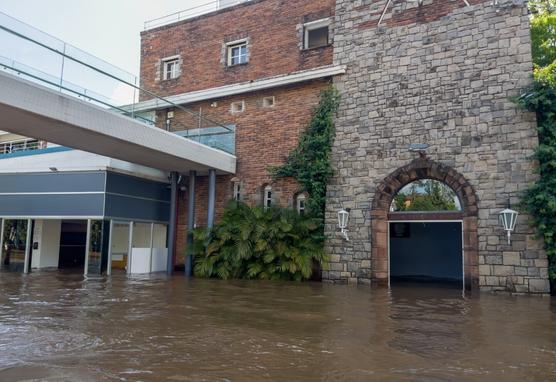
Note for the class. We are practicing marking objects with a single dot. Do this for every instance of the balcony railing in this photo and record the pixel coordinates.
(192, 12)
(21, 145)
(216, 137)
(36, 56)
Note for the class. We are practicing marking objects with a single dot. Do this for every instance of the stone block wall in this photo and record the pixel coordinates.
(442, 74)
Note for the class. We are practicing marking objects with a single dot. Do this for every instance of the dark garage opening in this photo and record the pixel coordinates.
(426, 252)
(73, 241)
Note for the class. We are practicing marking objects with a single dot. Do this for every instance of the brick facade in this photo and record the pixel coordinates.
(264, 135)
(442, 74)
(272, 27)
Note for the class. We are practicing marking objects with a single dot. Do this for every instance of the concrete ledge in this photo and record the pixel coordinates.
(244, 87)
(36, 111)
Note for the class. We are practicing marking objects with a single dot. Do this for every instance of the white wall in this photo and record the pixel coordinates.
(47, 235)
(120, 238)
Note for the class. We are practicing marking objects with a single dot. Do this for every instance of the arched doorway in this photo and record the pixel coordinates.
(383, 213)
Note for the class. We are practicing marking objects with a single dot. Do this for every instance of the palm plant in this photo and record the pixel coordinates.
(258, 243)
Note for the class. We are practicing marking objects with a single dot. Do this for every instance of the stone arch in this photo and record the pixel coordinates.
(424, 168)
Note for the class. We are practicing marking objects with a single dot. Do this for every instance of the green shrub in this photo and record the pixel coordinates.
(540, 199)
(254, 243)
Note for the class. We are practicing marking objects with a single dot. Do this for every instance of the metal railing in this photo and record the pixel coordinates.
(20, 145)
(192, 12)
(39, 57)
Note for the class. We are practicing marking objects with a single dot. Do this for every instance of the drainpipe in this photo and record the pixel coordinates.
(173, 221)
(212, 198)
(190, 223)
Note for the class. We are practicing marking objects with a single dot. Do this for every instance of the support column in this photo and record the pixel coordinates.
(129, 248)
(28, 244)
(151, 252)
(212, 198)
(87, 247)
(110, 238)
(190, 223)
(2, 221)
(172, 229)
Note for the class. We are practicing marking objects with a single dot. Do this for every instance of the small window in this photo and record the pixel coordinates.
(268, 101)
(237, 191)
(237, 53)
(237, 107)
(316, 34)
(170, 68)
(301, 204)
(267, 197)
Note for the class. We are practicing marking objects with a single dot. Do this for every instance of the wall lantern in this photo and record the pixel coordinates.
(343, 219)
(508, 219)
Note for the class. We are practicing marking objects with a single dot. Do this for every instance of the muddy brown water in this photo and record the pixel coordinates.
(60, 327)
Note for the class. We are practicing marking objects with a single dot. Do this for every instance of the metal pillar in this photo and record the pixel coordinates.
(129, 248)
(190, 223)
(172, 229)
(110, 238)
(151, 252)
(28, 245)
(87, 248)
(212, 198)
(2, 221)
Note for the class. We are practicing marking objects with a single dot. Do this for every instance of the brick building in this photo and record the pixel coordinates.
(434, 73)
(426, 90)
(257, 67)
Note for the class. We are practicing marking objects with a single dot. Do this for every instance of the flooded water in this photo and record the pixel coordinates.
(58, 327)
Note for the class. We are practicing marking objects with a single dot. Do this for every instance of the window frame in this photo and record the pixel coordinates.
(230, 46)
(267, 104)
(312, 26)
(236, 191)
(301, 198)
(267, 197)
(175, 72)
(233, 104)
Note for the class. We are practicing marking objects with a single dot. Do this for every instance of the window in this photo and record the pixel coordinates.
(237, 53)
(237, 191)
(267, 197)
(237, 107)
(316, 34)
(301, 204)
(269, 102)
(170, 68)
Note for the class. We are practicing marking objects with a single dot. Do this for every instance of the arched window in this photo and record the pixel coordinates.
(425, 195)
(267, 196)
(301, 203)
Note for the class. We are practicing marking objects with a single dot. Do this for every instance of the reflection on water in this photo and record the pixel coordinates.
(58, 327)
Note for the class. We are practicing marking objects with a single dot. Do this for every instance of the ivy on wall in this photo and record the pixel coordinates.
(540, 199)
(309, 163)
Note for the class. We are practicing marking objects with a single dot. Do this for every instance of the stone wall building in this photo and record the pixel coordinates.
(439, 73)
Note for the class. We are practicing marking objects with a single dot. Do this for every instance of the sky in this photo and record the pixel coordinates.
(108, 29)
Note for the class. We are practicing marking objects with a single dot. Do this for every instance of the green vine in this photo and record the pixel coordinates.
(309, 163)
(540, 199)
